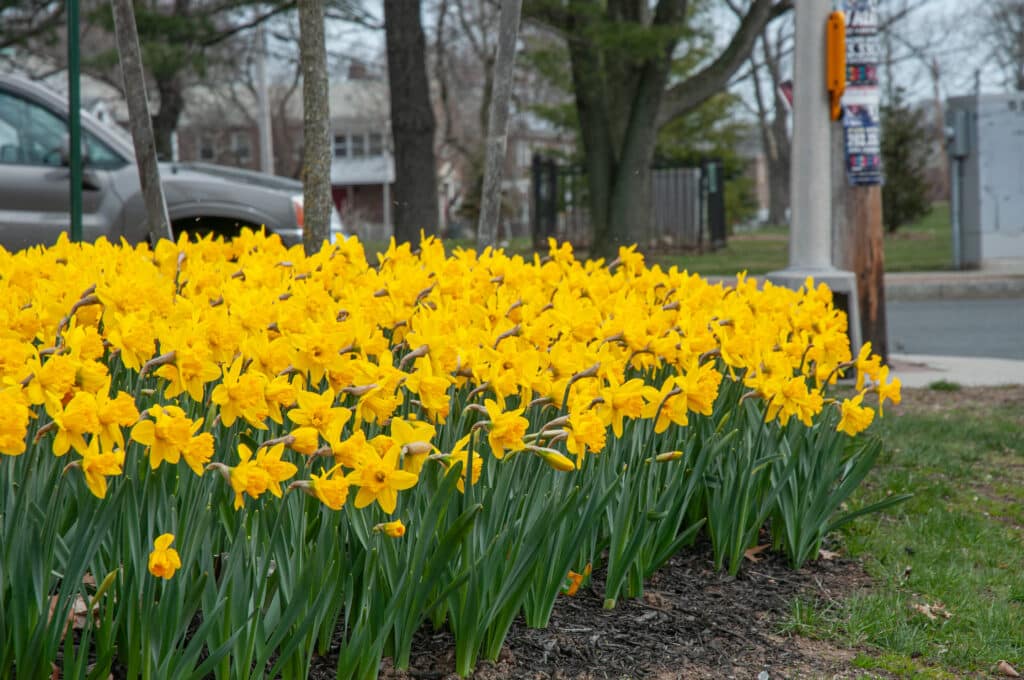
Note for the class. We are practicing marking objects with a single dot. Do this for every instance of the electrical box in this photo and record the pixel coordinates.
(958, 121)
(986, 148)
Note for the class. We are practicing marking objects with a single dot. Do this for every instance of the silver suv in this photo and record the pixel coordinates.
(201, 198)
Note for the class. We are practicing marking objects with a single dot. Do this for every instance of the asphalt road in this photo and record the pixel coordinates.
(968, 328)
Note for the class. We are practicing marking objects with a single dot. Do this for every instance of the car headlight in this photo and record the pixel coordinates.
(337, 226)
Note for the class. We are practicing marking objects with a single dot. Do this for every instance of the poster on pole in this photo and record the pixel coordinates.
(861, 101)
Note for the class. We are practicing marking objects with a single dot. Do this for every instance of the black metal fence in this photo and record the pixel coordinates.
(559, 206)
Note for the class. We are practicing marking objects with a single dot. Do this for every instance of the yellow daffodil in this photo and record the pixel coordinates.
(113, 415)
(98, 465)
(164, 560)
(459, 454)
(586, 432)
(330, 488)
(166, 435)
(241, 396)
(319, 412)
(620, 401)
(506, 429)
(379, 479)
(198, 451)
(14, 415)
(856, 418)
(887, 389)
(414, 439)
(395, 529)
(78, 418)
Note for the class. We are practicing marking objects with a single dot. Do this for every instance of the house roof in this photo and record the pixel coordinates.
(359, 101)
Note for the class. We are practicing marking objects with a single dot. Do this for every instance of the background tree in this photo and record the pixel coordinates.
(158, 222)
(714, 130)
(1004, 28)
(772, 112)
(412, 122)
(183, 43)
(316, 127)
(497, 123)
(621, 54)
(906, 146)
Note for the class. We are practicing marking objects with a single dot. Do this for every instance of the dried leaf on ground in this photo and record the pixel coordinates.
(932, 611)
(1006, 669)
(76, 615)
(827, 554)
(752, 553)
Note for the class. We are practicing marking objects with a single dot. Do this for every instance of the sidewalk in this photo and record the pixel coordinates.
(922, 370)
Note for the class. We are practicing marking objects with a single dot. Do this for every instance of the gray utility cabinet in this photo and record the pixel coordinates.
(986, 149)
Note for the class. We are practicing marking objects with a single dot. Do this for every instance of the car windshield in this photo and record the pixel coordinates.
(32, 135)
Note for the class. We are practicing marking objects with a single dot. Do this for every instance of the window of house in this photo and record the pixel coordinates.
(207, 148)
(340, 146)
(241, 146)
(523, 155)
(376, 144)
(358, 146)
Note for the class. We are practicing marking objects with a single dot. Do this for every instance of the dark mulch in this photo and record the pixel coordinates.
(692, 622)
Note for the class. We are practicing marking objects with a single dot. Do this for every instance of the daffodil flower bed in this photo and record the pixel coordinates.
(341, 452)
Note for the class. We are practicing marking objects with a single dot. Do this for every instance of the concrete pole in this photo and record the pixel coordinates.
(810, 231)
(810, 242)
(263, 105)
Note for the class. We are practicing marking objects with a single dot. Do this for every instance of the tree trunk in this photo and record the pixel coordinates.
(622, 101)
(158, 222)
(778, 168)
(497, 124)
(412, 122)
(316, 131)
(165, 122)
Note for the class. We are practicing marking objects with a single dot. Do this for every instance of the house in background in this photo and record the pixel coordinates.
(219, 125)
(363, 163)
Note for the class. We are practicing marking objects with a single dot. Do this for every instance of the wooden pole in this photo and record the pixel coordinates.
(858, 234)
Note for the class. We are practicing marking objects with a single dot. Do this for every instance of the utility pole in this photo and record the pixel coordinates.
(810, 237)
(497, 123)
(857, 192)
(263, 104)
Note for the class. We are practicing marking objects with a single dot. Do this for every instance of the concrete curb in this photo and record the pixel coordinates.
(937, 285)
(954, 285)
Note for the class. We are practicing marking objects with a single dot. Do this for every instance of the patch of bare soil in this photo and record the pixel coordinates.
(976, 400)
(692, 622)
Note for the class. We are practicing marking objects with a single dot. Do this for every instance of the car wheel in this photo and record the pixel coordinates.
(198, 227)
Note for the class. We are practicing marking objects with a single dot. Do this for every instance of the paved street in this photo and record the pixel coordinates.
(968, 328)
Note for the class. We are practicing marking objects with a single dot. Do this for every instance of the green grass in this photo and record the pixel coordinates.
(958, 542)
(923, 246)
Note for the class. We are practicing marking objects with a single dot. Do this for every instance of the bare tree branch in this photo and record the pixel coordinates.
(689, 94)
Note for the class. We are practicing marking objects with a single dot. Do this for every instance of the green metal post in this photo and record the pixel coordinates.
(74, 122)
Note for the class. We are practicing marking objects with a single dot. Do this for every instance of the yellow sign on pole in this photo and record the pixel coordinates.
(835, 60)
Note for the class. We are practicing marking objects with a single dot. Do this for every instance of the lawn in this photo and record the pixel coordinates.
(947, 598)
(925, 245)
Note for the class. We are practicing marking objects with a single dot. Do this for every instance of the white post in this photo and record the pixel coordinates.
(810, 230)
(263, 104)
(810, 236)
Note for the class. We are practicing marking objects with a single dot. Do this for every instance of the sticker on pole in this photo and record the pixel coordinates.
(861, 102)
